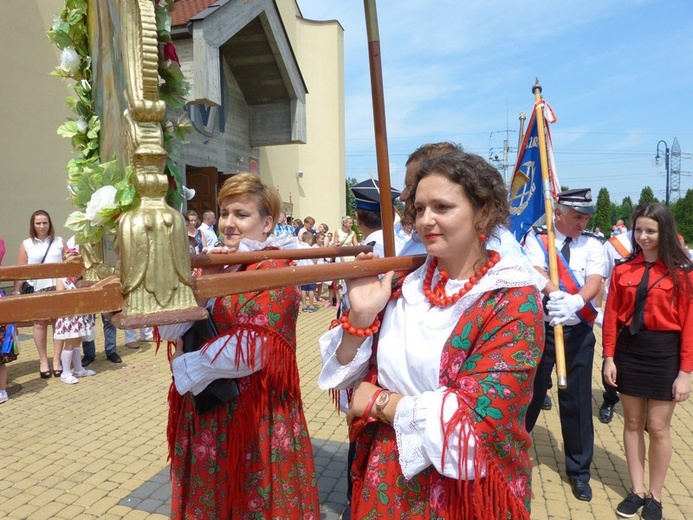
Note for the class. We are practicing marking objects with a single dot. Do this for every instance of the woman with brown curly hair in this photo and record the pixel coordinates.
(440, 364)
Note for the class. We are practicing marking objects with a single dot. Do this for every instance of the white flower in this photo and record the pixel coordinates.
(69, 60)
(102, 201)
(82, 125)
(169, 128)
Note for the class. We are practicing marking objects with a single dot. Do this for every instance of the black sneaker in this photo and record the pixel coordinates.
(630, 505)
(652, 510)
(87, 360)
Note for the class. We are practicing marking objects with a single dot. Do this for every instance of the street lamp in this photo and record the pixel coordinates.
(657, 162)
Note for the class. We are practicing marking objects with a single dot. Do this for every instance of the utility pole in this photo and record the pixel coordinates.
(499, 157)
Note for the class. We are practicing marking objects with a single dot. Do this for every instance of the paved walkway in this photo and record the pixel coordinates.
(96, 450)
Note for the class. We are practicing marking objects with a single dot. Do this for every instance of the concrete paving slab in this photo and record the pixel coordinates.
(97, 450)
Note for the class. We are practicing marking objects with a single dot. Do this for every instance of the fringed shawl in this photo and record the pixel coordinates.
(488, 364)
(259, 318)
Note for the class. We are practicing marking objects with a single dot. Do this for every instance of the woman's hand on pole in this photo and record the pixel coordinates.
(368, 296)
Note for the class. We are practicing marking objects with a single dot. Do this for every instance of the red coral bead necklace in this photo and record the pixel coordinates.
(437, 295)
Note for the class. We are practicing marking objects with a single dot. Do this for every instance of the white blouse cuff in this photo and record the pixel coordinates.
(181, 376)
(334, 374)
(420, 436)
(192, 372)
(409, 438)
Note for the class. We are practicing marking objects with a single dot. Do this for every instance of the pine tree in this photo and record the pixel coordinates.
(682, 210)
(647, 196)
(626, 211)
(602, 217)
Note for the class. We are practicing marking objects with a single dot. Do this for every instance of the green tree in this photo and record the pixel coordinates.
(351, 203)
(626, 211)
(613, 217)
(683, 215)
(602, 215)
(647, 196)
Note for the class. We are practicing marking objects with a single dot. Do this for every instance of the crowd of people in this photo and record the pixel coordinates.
(444, 370)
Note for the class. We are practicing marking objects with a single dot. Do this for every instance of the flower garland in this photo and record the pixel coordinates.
(102, 191)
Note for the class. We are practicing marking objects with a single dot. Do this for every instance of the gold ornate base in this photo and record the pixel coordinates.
(138, 321)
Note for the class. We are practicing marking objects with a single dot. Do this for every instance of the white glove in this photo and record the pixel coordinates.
(562, 306)
(599, 320)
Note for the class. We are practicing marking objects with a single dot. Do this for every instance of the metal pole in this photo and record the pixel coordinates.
(666, 166)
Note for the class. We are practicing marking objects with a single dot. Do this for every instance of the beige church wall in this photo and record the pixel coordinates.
(319, 189)
(33, 155)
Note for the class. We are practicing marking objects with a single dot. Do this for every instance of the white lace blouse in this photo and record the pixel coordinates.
(411, 341)
(192, 372)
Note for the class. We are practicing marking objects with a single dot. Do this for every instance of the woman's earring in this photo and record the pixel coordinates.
(482, 238)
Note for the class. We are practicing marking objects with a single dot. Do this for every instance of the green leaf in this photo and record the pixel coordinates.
(68, 129)
(76, 221)
(382, 493)
(530, 305)
(470, 363)
(60, 38)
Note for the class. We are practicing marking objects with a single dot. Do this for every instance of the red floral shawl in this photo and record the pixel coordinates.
(488, 362)
(267, 317)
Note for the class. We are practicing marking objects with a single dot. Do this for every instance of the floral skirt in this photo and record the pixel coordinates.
(277, 479)
(381, 491)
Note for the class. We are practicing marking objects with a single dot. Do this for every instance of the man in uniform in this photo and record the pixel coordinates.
(581, 264)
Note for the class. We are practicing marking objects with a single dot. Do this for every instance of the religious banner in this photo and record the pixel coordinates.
(526, 194)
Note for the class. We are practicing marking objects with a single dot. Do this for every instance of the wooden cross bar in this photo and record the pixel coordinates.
(106, 295)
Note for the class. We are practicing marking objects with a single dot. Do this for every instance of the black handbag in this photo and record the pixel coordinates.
(26, 287)
(219, 391)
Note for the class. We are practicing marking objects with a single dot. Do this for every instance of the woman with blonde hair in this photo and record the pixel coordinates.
(250, 455)
(345, 235)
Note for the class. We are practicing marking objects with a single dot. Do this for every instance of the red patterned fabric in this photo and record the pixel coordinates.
(488, 362)
(251, 458)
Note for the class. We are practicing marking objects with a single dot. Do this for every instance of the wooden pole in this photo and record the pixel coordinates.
(105, 295)
(74, 265)
(381, 151)
(248, 281)
(287, 254)
(71, 267)
(548, 205)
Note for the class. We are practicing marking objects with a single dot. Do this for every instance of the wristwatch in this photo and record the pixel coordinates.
(380, 404)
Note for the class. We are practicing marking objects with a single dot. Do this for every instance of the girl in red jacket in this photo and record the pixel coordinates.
(648, 349)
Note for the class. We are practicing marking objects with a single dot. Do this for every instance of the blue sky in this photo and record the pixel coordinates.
(618, 74)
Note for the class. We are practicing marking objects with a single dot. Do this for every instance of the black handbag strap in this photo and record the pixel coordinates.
(47, 249)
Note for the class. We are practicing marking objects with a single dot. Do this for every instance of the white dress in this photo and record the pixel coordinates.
(71, 327)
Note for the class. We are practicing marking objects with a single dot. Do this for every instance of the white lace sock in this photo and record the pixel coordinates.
(77, 359)
(66, 358)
